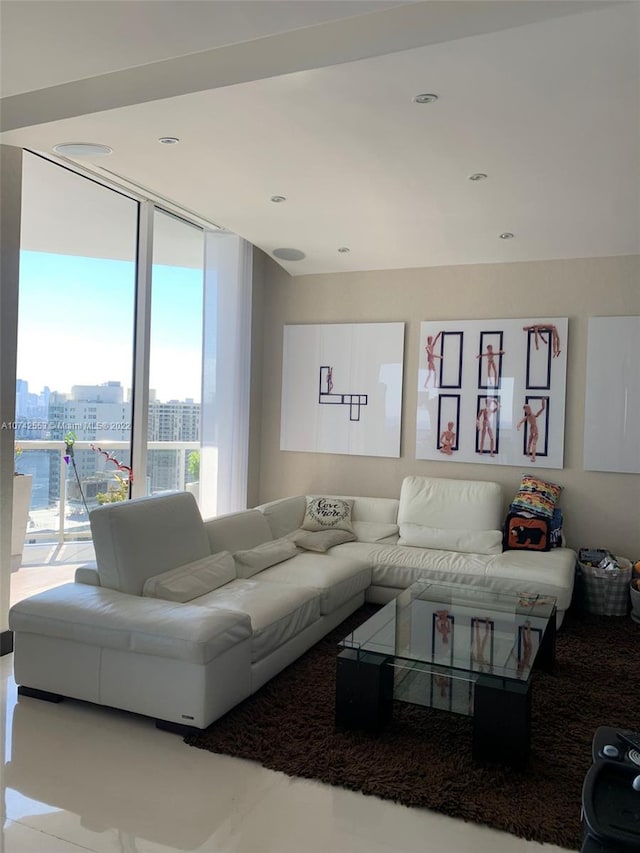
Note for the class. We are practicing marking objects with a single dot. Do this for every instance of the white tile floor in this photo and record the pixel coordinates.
(77, 777)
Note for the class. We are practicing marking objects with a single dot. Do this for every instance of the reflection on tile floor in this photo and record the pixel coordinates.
(78, 777)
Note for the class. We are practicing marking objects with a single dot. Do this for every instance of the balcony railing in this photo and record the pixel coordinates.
(65, 518)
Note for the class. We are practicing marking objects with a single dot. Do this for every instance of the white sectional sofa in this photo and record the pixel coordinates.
(240, 600)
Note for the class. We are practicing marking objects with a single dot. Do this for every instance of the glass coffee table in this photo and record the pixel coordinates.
(463, 649)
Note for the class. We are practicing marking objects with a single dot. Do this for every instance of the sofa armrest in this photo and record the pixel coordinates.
(88, 575)
(104, 617)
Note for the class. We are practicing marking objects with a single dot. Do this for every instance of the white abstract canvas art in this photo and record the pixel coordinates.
(342, 388)
(612, 404)
(493, 391)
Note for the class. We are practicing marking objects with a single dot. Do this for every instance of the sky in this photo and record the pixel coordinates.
(75, 325)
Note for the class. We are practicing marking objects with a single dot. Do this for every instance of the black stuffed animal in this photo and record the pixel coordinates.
(527, 535)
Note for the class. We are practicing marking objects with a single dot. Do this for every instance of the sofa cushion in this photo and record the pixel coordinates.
(104, 617)
(537, 496)
(193, 579)
(284, 515)
(321, 540)
(445, 508)
(237, 531)
(362, 552)
(326, 512)
(398, 566)
(384, 510)
(278, 612)
(139, 538)
(262, 556)
(336, 578)
(375, 531)
(548, 573)
(464, 541)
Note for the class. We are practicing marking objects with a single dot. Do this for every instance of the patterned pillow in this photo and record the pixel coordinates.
(328, 513)
(526, 532)
(536, 496)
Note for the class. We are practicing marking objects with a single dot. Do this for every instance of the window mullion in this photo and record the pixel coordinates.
(142, 337)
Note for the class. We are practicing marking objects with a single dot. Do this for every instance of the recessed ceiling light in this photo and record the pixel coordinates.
(478, 176)
(169, 140)
(276, 199)
(82, 149)
(289, 254)
(425, 99)
(506, 235)
(344, 249)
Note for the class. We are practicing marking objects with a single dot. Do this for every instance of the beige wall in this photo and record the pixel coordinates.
(601, 509)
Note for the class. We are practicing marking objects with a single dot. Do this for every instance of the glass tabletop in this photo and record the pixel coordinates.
(459, 630)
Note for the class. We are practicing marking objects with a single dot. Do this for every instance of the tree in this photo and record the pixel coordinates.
(193, 464)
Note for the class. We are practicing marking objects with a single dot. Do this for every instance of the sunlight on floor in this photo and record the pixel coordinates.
(46, 565)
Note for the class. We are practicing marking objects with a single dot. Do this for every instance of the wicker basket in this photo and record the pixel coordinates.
(604, 592)
(634, 589)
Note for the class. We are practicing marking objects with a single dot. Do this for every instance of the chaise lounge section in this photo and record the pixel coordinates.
(184, 618)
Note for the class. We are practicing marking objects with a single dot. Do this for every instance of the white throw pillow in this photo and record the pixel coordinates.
(442, 539)
(322, 540)
(193, 579)
(256, 559)
(324, 513)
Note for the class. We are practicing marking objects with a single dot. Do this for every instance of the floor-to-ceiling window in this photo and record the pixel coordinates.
(121, 301)
(75, 346)
(175, 357)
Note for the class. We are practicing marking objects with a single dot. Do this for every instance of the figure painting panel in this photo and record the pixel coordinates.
(493, 391)
(342, 388)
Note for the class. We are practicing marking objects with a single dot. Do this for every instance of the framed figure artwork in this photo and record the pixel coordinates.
(528, 643)
(342, 388)
(482, 644)
(493, 391)
(442, 645)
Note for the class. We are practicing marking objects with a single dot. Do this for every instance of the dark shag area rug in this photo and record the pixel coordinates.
(423, 757)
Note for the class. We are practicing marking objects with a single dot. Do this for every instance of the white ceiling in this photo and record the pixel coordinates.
(313, 101)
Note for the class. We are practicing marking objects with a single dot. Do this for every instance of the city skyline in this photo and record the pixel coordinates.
(153, 396)
(98, 413)
(97, 416)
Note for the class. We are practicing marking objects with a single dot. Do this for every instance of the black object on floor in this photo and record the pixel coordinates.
(611, 794)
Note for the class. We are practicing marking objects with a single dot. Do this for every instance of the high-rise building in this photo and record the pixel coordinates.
(176, 420)
(32, 412)
(91, 413)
